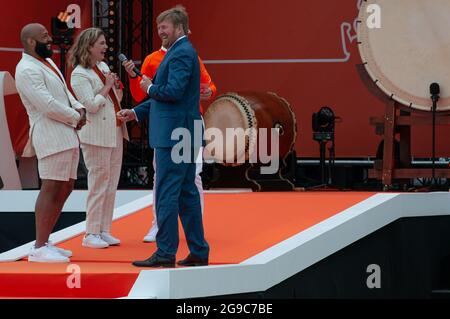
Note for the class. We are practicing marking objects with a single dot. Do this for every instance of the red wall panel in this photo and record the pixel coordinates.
(295, 29)
(260, 29)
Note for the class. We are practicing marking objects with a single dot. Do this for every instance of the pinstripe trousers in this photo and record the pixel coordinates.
(104, 166)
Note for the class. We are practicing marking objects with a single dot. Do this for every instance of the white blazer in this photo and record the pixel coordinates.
(50, 107)
(100, 130)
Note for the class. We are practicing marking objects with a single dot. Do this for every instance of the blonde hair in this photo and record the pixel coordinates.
(177, 15)
(79, 54)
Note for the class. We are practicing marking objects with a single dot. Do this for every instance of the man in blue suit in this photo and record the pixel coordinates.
(174, 107)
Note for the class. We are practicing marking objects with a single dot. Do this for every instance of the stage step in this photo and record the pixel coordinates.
(440, 294)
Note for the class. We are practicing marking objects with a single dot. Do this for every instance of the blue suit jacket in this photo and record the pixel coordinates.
(174, 97)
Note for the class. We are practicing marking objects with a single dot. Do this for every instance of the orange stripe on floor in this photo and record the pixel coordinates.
(237, 227)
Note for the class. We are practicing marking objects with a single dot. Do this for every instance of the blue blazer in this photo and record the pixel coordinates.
(174, 97)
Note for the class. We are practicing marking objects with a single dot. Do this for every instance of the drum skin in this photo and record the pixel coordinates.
(409, 51)
(253, 109)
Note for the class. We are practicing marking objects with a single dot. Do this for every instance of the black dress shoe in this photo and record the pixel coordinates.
(155, 261)
(192, 260)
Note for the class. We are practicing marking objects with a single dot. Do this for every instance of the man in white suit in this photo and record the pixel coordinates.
(54, 115)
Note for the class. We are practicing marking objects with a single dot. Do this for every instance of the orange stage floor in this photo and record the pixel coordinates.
(237, 227)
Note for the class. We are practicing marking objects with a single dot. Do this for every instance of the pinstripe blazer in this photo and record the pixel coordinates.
(100, 130)
(50, 107)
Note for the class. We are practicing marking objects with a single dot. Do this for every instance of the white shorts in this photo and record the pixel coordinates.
(61, 166)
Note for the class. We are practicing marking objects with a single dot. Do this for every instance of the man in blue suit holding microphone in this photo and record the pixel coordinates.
(174, 107)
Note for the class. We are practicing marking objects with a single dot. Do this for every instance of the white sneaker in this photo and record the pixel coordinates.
(151, 236)
(45, 254)
(94, 241)
(110, 239)
(64, 252)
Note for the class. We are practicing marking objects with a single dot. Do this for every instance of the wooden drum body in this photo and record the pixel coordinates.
(247, 113)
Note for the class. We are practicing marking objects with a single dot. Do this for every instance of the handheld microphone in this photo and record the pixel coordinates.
(123, 58)
(435, 90)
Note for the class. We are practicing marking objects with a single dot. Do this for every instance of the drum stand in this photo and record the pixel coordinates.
(399, 119)
(282, 180)
(249, 176)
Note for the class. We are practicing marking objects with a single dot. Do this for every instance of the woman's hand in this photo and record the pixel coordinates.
(116, 81)
(110, 80)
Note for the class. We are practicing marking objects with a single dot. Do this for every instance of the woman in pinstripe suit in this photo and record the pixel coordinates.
(102, 137)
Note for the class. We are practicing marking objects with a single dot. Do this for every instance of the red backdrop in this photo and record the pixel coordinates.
(261, 29)
(293, 29)
(20, 13)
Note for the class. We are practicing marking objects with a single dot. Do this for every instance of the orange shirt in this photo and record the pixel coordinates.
(149, 67)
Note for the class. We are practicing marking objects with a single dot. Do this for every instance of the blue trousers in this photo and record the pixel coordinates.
(177, 195)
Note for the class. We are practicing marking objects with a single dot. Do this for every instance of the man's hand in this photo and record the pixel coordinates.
(82, 120)
(126, 115)
(129, 66)
(205, 92)
(145, 83)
